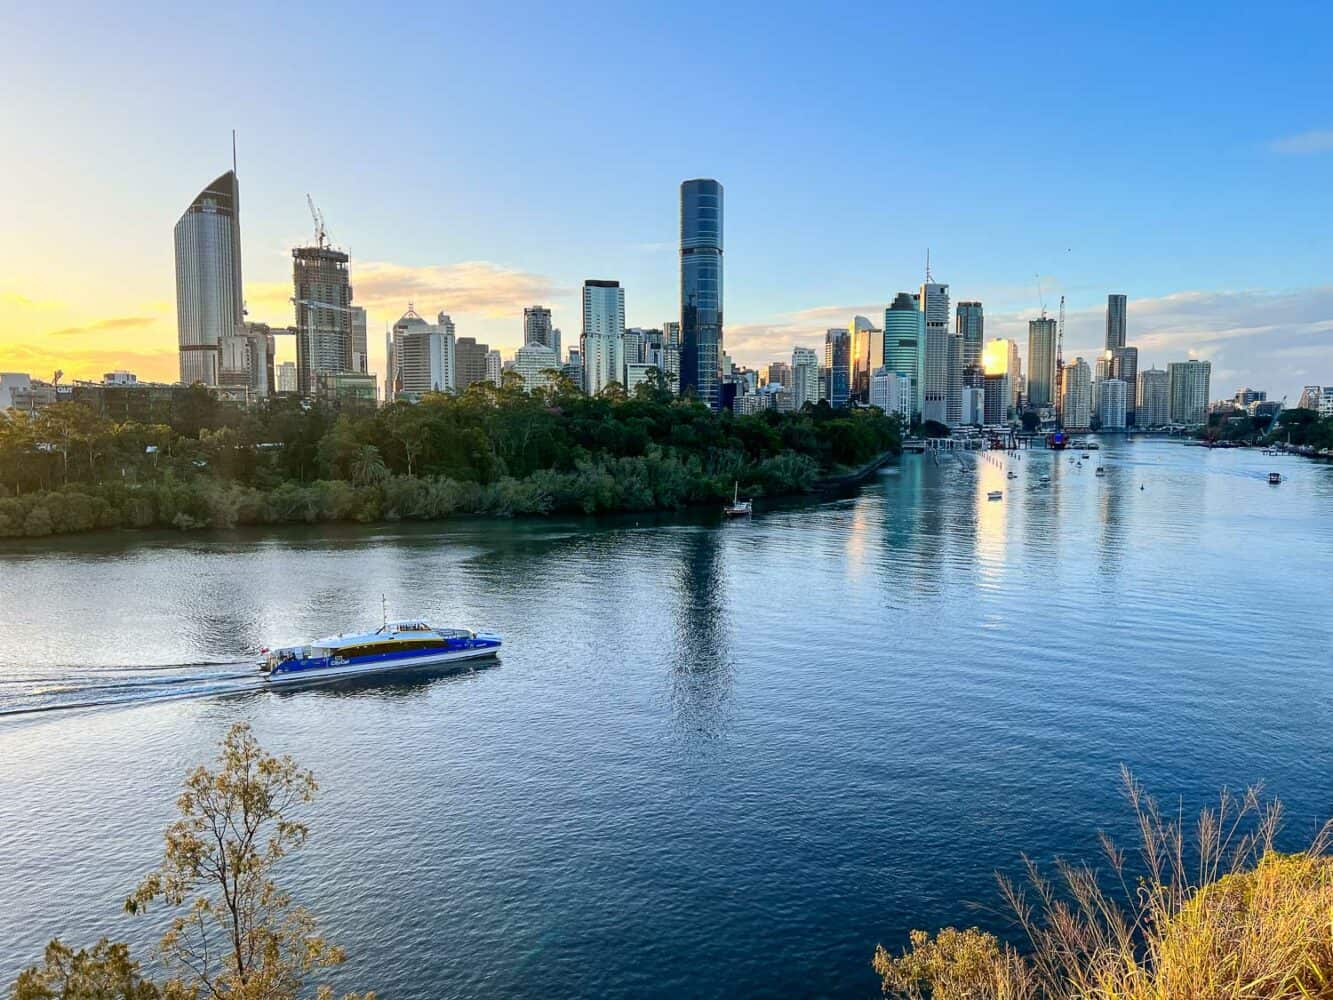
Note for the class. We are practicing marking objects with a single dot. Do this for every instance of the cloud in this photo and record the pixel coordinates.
(117, 323)
(38, 360)
(1319, 140)
(758, 343)
(474, 287)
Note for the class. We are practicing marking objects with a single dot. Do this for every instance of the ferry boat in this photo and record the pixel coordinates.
(394, 646)
(1275, 478)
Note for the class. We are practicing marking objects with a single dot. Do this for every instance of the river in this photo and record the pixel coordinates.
(714, 759)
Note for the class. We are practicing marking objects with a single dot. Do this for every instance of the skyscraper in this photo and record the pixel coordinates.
(1124, 365)
(701, 289)
(1188, 390)
(1111, 405)
(209, 299)
(1076, 396)
(867, 355)
(934, 299)
(1153, 398)
(970, 323)
(323, 313)
(999, 358)
(838, 366)
(904, 341)
(537, 328)
(1116, 306)
(423, 357)
(953, 400)
(469, 362)
(1041, 362)
(602, 342)
(805, 377)
(360, 359)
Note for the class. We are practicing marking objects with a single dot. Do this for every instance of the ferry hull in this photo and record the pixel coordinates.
(321, 675)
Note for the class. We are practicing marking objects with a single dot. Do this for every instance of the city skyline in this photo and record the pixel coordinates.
(1245, 289)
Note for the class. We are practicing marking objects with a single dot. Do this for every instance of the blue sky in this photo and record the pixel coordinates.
(477, 157)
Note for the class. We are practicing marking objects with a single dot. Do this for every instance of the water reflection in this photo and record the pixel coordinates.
(701, 666)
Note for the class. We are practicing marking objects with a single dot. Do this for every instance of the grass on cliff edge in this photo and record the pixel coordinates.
(1204, 913)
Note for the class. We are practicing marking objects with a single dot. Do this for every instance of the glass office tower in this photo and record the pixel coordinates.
(701, 289)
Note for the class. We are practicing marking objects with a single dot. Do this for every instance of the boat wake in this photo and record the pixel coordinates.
(51, 689)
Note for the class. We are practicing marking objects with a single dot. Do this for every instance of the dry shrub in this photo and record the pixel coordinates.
(1212, 913)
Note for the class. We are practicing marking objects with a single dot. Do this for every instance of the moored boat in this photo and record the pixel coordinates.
(394, 646)
(994, 495)
(737, 507)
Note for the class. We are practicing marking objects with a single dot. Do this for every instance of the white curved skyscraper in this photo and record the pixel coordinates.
(209, 301)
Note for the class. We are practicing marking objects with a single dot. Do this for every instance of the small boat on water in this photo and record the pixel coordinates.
(1091, 446)
(1275, 478)
(394, 646)
(1013, 475)
(1045, 480)
(1084, 455)
(994, 495)
(1101, 470)
(738, 507)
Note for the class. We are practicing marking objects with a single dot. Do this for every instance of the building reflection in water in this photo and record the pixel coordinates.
(701, 664)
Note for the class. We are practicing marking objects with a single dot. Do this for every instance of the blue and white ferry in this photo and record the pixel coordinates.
(394, 646)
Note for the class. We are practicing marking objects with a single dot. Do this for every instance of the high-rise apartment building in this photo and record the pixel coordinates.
(536, 364)
(209, 299)
(892, 392)
(286, 377)
(838, 366)
(970, 324)
(1124, 365)
(1188, 388)
(805, 377)
(602, 342)
(1153, 398)
(1076, 396)
(323, 313)
(537, 328)
(1116, 306)
(934, 300)
(494, 368)
(905, 341)
(1041, 362)
(1111, 404)
(701, 289)
(996, 393)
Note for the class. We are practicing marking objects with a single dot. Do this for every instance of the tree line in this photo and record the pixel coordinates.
(489, 450)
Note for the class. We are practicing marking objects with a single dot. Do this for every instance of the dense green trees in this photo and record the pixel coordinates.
(488, 450)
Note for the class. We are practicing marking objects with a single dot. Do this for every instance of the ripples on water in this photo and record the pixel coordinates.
(713, 759)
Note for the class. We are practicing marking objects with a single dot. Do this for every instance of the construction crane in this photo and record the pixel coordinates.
(321, 236)
(1060, 356)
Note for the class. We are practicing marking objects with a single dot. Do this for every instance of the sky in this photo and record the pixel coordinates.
(477, 158)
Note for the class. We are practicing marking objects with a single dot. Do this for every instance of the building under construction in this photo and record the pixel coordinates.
(324, 314)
